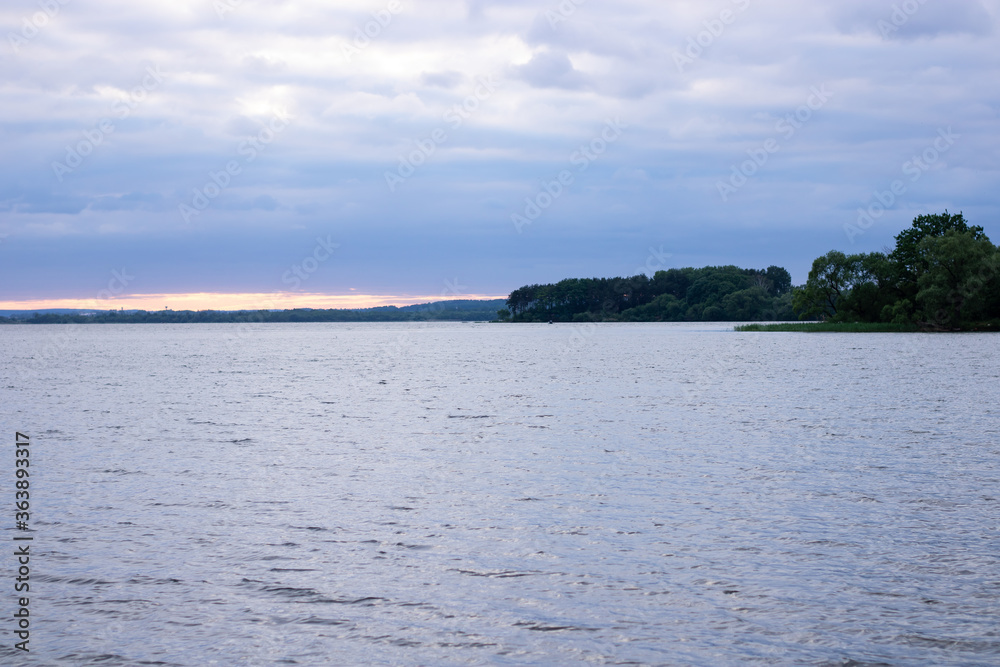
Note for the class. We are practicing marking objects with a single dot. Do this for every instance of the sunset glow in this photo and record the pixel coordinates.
(246, 301)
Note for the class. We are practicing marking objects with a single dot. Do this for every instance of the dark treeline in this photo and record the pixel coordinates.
(465, 310)
(942, 273)
(710, 294)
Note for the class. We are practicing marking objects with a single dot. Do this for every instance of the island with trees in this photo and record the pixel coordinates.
(709, 294)
(943, 274)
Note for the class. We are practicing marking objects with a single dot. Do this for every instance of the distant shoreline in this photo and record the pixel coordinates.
(439, 311)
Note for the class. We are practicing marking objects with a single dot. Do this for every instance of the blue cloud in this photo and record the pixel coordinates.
(351, 121)
(551, 70)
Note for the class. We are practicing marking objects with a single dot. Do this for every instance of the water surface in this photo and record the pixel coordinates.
(463, 494)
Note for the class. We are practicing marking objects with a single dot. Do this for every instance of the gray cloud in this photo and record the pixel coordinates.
(133, 201)
(447, 79)
(913, 18)
(551, 70)
(350, 121)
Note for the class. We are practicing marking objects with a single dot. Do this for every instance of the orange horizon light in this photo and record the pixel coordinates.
(236, 301)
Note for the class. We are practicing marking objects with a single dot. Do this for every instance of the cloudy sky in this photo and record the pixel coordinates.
(224, 153)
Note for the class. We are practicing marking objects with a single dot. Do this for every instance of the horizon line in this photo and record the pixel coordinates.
(235, 301)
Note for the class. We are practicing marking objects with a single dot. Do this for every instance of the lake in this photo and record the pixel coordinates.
(466, 494)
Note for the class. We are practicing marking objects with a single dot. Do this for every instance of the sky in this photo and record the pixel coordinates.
(281, 153)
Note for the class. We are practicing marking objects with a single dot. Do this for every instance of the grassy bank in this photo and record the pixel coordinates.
(865, 327)
(830, 327)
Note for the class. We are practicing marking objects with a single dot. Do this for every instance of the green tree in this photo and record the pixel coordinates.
(957, 284)
(781, 280)
(828, 283)
(745, 305)
(909, 256)
(846, 288)
(712, 292)
(672, 281)
(872, 287)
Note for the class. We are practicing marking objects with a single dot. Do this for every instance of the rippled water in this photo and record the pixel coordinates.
(455, 494)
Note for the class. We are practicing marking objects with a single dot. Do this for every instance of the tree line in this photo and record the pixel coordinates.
(712, 293)
(941, 274)
(458, 310)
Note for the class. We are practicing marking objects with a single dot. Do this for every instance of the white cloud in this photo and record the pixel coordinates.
(225, 77)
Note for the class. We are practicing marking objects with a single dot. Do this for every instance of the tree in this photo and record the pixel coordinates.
(960, 269)
(522, 299)
(712, 292)
(672, 281)
(781, 280)
(748, 304)
(908, 256)
(828, 283)
(942, 270)
(871, 289)
(715, 282)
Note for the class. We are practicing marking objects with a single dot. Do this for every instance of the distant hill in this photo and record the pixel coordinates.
(458, 310)
(460, 305)
(21, 314)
